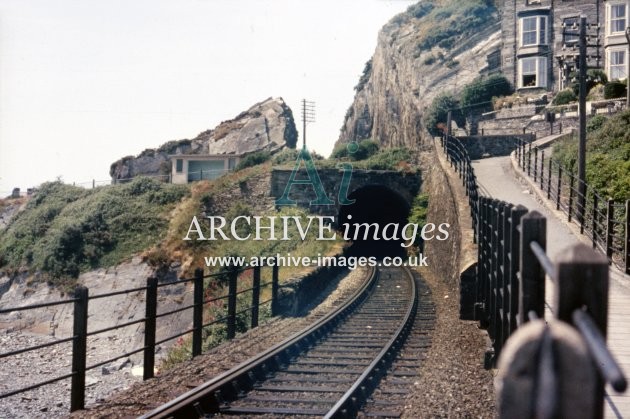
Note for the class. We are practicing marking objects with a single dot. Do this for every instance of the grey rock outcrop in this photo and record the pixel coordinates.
(267, 125)
(405, 75)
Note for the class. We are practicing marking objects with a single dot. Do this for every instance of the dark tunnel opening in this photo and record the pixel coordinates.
(379, 205)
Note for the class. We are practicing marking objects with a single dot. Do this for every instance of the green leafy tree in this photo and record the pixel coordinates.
(478, 94)
(436, 116)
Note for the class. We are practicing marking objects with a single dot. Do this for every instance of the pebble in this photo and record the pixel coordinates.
(51, 400)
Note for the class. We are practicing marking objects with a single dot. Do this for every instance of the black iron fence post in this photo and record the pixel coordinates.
(581, 206)
(255, 296)
(149, 328)
(197, 312)
(79, 349)
(529, 160)
(231, 315)
(532, 285)
(275, 307)
(595, 220)
(610, 228)
(559, 191)
(571, 188)
(542, 170)
(549, 172)
(535, 163)
(627, 239)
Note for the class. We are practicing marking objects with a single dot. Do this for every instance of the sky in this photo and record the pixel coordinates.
(86, 82)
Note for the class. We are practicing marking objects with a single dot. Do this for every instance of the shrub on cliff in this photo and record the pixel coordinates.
(614, 89)
(253, 159)
(363, 150)
(65, 229)
(478, 94)
(607, 156)
(564, 97)
(436, 115)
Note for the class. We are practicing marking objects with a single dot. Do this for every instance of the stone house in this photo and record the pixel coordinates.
(540, 36)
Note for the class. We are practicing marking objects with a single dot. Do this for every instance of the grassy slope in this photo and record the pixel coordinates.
(607, 157)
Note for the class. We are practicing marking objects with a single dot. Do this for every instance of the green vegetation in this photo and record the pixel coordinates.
(595, 123)
(420, 9)
(564, 97)
(418, 214)
(615, 89)
(361, 151)
(435, 117)
(593, 78)
(253, 159)
(65, 230)
(367, 72)
(368, 156)
(445, 23)
(478, 95)
(607, 156)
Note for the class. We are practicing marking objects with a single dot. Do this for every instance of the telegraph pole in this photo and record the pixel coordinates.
(582, 132)
(308, 115)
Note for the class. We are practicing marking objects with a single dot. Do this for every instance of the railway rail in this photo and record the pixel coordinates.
(332, 368)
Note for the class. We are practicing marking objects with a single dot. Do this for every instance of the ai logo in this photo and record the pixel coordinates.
(315, 181)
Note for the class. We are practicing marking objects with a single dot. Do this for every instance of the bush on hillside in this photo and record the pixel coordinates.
(564, 97)
(436, 115)
(253, 159)
(363, 150)
(615, 89)
(478, 94)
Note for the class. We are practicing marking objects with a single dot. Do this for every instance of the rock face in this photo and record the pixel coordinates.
(267, 125)
(420, 54)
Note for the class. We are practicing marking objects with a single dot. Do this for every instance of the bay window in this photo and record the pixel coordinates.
(533, 72)
(533, 31)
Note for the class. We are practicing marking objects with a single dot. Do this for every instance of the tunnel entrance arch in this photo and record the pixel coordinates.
(374, 204)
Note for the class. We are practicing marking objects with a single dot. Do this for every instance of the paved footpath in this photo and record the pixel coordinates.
(498, 179)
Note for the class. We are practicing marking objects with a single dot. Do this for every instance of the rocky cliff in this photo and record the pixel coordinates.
(267, 125)
(434, 47)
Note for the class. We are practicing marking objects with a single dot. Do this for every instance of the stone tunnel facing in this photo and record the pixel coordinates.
(374, 204)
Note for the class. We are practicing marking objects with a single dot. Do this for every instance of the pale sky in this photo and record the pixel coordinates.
(85, 82)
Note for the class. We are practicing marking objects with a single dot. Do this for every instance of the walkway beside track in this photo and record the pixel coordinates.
(498, 177)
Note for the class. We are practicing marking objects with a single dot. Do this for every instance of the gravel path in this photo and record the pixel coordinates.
(452, 381)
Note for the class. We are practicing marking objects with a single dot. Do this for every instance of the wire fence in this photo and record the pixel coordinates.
(604, 221)
(194, 176)
(236, 310)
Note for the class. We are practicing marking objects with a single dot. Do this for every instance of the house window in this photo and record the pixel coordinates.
(231, 163)
(533, 30)
(617, 18)
(533, 72)
(179, 165)
(617, 65)
(571, 31)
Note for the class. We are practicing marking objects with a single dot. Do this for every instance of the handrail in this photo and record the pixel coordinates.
(80, 333)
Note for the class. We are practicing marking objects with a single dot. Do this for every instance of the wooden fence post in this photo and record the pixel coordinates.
(197, 312)
(79, 348)
(255, 296)
(532, 286)
(231, 315)
(150, 311)
(516, 215)
(275, 306)
(582, 281)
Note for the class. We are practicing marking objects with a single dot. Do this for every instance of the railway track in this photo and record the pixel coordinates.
(330, 369)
